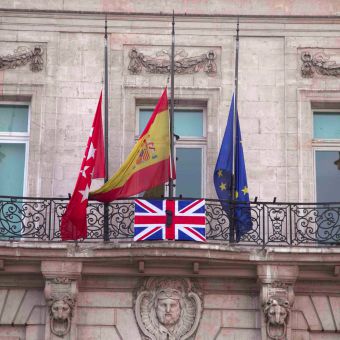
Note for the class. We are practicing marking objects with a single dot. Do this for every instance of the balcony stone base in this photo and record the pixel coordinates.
(167, 290)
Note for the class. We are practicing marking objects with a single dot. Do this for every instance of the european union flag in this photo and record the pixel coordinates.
(223, 177)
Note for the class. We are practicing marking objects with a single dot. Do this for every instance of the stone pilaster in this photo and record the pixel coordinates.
(277, 299)
(61, 290)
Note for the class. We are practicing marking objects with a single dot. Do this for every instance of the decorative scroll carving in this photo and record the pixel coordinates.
(168, 308)
(277, 300)
(60, 295)
(161, 63)
(64, 280)
(319, 63)
(21, 56)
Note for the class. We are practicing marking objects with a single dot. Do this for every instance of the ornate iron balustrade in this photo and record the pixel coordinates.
(274, 224)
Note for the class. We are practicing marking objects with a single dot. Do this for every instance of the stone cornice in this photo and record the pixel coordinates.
(210, 252)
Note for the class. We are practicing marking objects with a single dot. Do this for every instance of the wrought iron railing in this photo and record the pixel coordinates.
(273, 224)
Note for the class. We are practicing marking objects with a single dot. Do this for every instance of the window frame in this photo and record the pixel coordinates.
(19, 138)
(322, 144)
(185, 141)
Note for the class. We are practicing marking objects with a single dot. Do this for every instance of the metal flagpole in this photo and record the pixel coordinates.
(171, 181)
(106, 132)
(233, 178)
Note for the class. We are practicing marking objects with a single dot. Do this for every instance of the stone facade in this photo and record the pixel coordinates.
(100, 291)
(225, 291)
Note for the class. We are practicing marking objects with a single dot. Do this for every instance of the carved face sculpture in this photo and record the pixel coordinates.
(60, 310)
(276, 313)
(168, 307)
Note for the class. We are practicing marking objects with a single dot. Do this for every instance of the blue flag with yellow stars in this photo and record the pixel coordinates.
(223, 177)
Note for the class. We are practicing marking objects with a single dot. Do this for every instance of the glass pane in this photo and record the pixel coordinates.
(326, 125)
(189, 172)
(12, 166)
(13, 118)
(188, 123)
(144, 116)
(327, 176)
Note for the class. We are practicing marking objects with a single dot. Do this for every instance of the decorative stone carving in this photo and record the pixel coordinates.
(161, 63)
(60, 315)
(21, 56)
(276, 315)
(168, 308)
(60, 295)
(319, 63)
(277, 299)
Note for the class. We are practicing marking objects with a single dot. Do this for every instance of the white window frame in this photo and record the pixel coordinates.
(184, 142)
(319, 144)
(19, 138)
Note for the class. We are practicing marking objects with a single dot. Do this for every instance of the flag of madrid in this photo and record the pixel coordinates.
(73, 223)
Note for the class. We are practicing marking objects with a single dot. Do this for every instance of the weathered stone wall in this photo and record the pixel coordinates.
(99, 282)
(105, 286)
(274, 99)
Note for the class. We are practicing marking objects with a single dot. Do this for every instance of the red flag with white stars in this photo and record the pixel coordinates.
(73, 223)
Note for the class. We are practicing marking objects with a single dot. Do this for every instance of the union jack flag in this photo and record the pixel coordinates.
(170, 220)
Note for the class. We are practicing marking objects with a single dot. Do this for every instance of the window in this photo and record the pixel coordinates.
(326, 144)
(14, 133)
(189, 125)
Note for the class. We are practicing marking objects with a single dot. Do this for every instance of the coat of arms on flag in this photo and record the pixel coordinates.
(182, 220)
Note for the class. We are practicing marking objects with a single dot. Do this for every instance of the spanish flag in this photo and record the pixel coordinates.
(148, 164)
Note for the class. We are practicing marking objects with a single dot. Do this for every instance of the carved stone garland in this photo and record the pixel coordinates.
(278, 298)
(168, 308)
(161, 64)
(21, 56)
(60, 295)
(319, 63)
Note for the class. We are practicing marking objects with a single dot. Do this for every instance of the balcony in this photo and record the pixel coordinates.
(274, 224)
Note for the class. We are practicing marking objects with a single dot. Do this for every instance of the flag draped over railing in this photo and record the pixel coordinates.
(238, 207)
(148, 164)
(73, 223)
(182, 220)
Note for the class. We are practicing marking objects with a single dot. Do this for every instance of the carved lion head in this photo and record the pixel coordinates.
(276, 312)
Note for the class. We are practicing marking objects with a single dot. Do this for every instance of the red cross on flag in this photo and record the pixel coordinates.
(182, 220)
(73, 223)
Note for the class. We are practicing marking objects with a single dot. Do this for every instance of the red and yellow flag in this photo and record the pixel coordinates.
(148, 164)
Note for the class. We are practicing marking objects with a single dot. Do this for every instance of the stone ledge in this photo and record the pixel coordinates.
(134, 249)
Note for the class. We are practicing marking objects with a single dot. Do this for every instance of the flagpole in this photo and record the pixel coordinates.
(171, 181)
(233, 184)
(106, 108)
(106, 132)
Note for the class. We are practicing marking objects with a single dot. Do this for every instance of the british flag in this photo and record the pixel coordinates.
(182, 220)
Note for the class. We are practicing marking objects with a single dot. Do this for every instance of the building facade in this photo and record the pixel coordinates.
(282, 280)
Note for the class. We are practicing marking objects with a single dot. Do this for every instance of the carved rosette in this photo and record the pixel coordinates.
(277, 299)
(60, 295)
(22, 56)
(319, 63)
(168, 308)
(161, 63)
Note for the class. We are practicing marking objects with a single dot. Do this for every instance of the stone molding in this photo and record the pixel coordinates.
(161, 62)
(61, 270)
(168, 308)
(319, 63)
(277, 298)
(61, 290)
(60, 294)
(21, 56)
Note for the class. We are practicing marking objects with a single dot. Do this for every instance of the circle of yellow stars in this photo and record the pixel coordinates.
(223, 186)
